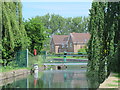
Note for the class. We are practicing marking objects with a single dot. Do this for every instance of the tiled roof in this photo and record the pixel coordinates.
(76, 38)
(60, 39)
(80, 37)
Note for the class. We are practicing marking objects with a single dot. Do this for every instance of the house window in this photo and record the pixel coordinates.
(62, 45)
(70, 44)
(85, 40)
(67, 46)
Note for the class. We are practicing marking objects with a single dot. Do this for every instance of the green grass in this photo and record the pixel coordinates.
(116, 81)
(35, 60)
(32, 60)
(7, 69)
(70, 57)
(64, 62)
(114, 85)
(117, 75)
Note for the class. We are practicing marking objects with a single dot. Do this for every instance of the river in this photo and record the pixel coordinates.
(70, 77)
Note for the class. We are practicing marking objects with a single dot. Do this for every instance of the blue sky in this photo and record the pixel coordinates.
(65, 9)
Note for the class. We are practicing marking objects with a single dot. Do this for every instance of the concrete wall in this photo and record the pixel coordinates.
(14, 73)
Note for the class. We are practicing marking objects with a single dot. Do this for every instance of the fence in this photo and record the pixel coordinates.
(22, 58)
(26, 59)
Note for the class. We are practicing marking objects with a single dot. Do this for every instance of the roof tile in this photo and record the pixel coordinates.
(76, 38)
(60, 39)
(80, 37)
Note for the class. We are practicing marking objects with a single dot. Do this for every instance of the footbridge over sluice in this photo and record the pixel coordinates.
(61, 62)
(68, 58)
(65, 63)
(60, 65)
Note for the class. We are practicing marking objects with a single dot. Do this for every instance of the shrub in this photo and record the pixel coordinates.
(82, 51)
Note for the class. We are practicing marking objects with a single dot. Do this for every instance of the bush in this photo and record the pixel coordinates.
(35, 60)
(82, 51)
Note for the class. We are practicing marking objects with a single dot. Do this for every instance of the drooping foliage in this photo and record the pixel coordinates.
(14, 37)
(0, 31)
(103, 47)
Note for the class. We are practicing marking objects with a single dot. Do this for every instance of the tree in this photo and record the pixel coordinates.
(103, 45)
(56, 24)
(14, 37)
(0, 31)
(37, 33)
(59, 25)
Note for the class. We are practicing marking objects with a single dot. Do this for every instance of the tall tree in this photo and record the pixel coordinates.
(61, 25)
(95, 51)
(14, 37)
(103, 46)
(0, 31)
(112, 19)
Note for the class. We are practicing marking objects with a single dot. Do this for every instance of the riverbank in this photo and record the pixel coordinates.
(17, 72)
(13, 73)
(113, 81)
(12, 79)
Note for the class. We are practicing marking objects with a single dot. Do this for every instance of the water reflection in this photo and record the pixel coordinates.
(35, 77)
(65, 79)
(69, 78)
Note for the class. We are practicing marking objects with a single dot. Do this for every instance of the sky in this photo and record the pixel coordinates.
(65, 9)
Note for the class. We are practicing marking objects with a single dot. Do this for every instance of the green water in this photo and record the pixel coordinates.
(72, 77)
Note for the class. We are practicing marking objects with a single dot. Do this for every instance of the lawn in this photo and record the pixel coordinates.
(7, 69)
(70, 57)
(117, 75)
(112, 81)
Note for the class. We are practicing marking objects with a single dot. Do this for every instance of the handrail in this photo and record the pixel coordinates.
(76, 52)
(66, 55)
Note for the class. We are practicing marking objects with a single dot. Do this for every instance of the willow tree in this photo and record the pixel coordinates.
(14, 37)
(0, 30)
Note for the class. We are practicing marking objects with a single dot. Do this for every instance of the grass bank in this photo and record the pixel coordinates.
(7, 69)
(32, 60)
(70, 57)
(113, 81)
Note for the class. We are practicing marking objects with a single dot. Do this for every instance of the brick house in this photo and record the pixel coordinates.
(68, 43)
